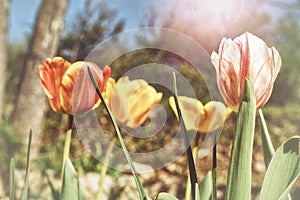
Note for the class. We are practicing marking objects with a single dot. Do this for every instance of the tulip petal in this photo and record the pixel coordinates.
(77, 92)
(214, 117)
(144, 98)
(247, 56)
(109, 89)
(132, 101)
(201, 118)
(51, 74)
(191, 110)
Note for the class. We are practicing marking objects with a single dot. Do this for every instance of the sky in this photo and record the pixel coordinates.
(23, 12)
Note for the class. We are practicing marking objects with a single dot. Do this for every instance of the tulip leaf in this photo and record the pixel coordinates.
(138, 183)
(197, 192)
(268, 149)
(26, 182)
(282, 172)
(191, 163)
(267, 146)
(206, 187)
(165, 196)
(286, 194)
(70, 185)
(12, 180)
(239, 173)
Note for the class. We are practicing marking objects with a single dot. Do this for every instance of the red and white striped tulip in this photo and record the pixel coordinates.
(247, 56)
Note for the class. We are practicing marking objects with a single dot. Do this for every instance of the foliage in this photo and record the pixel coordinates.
(286, 38)
(94, 23)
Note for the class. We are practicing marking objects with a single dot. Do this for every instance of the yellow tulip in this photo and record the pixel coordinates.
(198, 117)
(131, 101)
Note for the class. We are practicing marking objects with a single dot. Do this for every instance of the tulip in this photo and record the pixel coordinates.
(198, 117)
(131, 101)
(109, 90)
(68, 86)
(247, 56)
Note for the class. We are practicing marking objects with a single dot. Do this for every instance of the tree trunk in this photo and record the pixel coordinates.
(31, 103)
(3, 64)
(3, 50)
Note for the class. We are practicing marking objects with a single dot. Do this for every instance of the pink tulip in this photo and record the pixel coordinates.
(247, 56)
(58, 78)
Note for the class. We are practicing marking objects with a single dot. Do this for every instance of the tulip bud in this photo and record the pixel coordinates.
(247, 56)
(68, 86)
(132, 101)
(200, 118)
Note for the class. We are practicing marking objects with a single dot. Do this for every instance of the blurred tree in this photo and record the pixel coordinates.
(93, 24)
(3, 50)
(286, 38)
(31, 102)
(3, 63)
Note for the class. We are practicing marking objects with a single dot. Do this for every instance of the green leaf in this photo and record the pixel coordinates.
(138, 183)
(268, 149)
(26, 182)
(197, 192)
(282, 172)
(239, 173)
(12, 180)
(267, 146)
(206, 187)
(165, 196)
(70, 185)
(55, 194)
(286, 194)
(191, 163)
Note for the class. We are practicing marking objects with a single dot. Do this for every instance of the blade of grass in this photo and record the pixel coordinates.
(239, 173)
(12, 180)
(26, 182)
(268, 149)
(191, 163)
(142, 193)
(104, 169)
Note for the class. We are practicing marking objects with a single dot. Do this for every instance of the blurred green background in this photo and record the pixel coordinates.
(89, 22)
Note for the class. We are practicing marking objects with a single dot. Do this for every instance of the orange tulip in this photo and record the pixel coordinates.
(131, 101)
(247, 56)
(200, 118)
(68, 86)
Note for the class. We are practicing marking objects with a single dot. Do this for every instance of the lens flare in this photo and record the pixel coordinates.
(218, 12)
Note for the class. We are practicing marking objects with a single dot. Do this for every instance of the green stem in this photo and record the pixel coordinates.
(26, 182)
(214, 170)
(188, 184)
(127, 155)
(191, 163)
(66, 152)
(12, 180)
(104, 169)
(268, 148)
